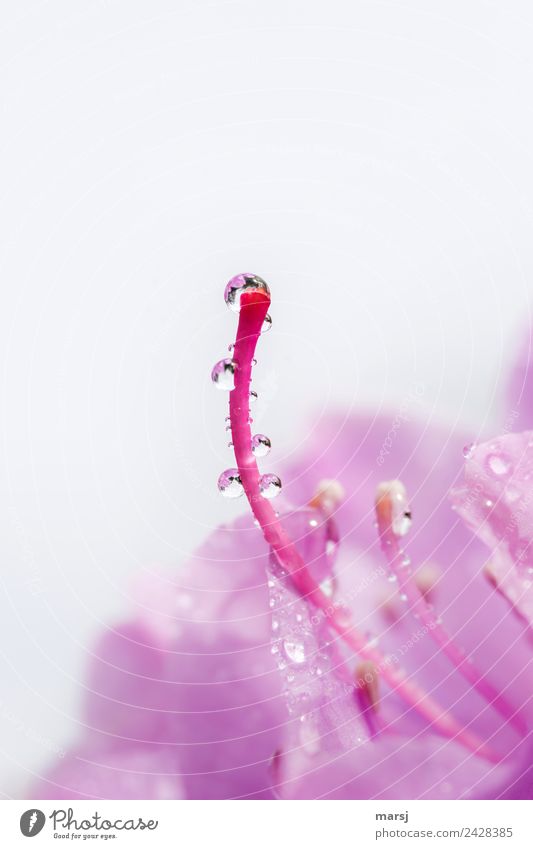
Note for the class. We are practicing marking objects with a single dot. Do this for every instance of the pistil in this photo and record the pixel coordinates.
(254, 301)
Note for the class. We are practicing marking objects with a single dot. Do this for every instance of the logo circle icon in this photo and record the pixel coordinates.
(32, 822)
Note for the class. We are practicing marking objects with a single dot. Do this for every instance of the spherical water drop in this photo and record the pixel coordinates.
(261, 445)
(223, 374)
(498, 464)
(269, 486)
(468, 450)
(402, 523)
(240, 284)
(267, 323)
(230, 483)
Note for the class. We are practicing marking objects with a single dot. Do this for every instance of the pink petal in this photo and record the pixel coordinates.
(126, 772)
(495, 500)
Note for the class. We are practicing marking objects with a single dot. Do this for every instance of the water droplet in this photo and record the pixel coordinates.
(402, 523)
(468, 450)
(267, 323)
(240, 284)
(269, 486)
(296, 648)
(489, 503)
(223, 374)
(406, 560)
(400, 511)
(499, 465)
(230, 483)
(512, 494)
(261, 445)
(331, 548)
(328, 587)
(403, 597)
(393, 578)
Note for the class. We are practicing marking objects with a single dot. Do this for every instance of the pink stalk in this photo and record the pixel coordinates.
(254, 306)
(391, 498)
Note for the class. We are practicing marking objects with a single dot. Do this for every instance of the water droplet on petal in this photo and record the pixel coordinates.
(230, 483)
(261, 445)
(468, 450)
(240, 284)
(269, 486)
(223, 374)
(297, 648)
(512, 494)
(499, 465)
(328, 587)
(267, 323)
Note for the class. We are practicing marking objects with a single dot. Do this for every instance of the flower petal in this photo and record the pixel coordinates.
(496, 501)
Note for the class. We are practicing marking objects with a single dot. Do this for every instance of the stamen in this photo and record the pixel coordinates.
(367, 682)
(252, 300)
(426, 579)
(391, 506)
(329, 494)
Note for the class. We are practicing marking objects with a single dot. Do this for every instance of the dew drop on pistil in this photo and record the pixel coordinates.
(223, 374)
(230, 484)
(240, 284)
(269, 486)
(261, 445)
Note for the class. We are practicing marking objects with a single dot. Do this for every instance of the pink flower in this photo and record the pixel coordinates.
(317, 655)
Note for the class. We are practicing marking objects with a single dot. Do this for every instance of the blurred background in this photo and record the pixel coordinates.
(371, 160)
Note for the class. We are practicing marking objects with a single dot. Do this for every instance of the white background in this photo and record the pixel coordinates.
(372, 160)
